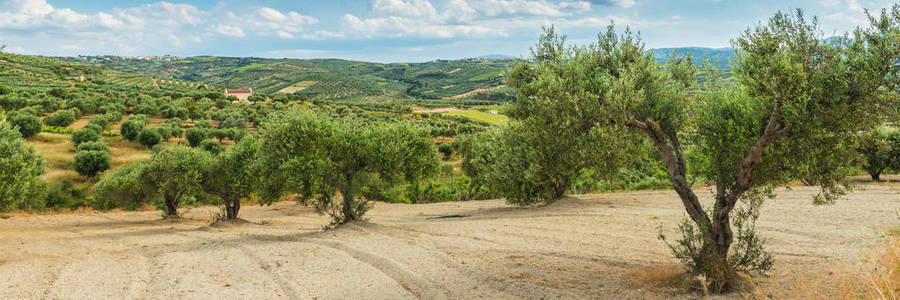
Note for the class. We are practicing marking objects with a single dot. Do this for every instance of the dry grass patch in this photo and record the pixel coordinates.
(876, 277)
(80, 123)
(658, 278)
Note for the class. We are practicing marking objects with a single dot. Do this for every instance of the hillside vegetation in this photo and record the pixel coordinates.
(21, 71)
(324, 78)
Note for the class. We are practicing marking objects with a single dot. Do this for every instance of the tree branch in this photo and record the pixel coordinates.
(674, 161)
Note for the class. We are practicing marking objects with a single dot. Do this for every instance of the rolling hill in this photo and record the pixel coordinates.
(325, 78)
(24, 71)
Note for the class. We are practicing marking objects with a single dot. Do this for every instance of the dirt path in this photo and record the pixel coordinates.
(580, 247)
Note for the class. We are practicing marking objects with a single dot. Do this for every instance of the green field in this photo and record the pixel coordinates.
(479, 116)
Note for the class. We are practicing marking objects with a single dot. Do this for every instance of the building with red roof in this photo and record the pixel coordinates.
(240, 94)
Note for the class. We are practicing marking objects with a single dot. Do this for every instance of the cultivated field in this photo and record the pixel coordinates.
(591, 246)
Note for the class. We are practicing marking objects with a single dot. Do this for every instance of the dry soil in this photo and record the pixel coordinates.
(586, 246)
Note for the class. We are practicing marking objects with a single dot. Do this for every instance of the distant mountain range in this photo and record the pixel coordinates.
(719, 57)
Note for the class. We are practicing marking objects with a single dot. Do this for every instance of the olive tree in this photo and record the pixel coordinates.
(881, 150)
(85, 135)
(132, 127)
(231, 175)
(558, 125)
(20, 170)
(313, 155)
(27, 124)
(89, 163)
(172, 173)
(793, 93)
(149, 137)
(195, 135)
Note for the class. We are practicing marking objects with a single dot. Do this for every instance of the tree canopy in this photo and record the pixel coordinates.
(21, 186)
(311, 154)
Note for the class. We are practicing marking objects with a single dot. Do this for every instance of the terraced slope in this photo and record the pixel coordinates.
(24, 71)
(325, 78)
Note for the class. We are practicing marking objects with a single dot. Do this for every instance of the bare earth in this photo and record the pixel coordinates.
(580, 247)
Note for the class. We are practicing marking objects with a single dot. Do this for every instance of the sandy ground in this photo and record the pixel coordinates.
(580, 247)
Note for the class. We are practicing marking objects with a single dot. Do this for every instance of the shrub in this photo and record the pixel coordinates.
(61, 118)
(92, 146)
(91, 163)
(131, 128)
(212, 147)
(123, 188)
(28, 125)
(149, 137)
(85, 135)
(93, 127)
(194, 136)
(446, 150)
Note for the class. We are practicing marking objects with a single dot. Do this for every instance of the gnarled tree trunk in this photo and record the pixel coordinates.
(716, 230)
(172, 205)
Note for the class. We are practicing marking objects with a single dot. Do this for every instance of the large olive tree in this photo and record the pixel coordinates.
(559, 126)
(794, 95)
(314, 155)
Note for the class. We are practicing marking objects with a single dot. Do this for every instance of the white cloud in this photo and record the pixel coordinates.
(625, 3)
(228, 30)
(475, 18)
(267, 22)
(411, 8)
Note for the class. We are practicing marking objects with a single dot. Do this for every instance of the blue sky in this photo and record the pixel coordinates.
(381, 30)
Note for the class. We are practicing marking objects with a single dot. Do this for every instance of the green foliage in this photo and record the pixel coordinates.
(195, 135)
(85, 135)
(27, 124)
(232, 175)
(90, 163)
(20, 169)
(172, 173)
(92, 146)
(132, 127)
(212, 147)
(60, 130)
(314, 155)
(149, 137)
(324, 78)
(747, 256)
(94, 127)
(446, 150)
(793, 112)
(124, 187)
(61, 118)
(881, 149)
(556, 132)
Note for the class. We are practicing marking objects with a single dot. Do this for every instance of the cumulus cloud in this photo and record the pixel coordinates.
(474, 18)
(264, 22)
(228, 30)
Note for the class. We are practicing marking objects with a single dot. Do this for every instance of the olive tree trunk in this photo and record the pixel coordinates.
(172, 204)
(716, 230)
(232, 207)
